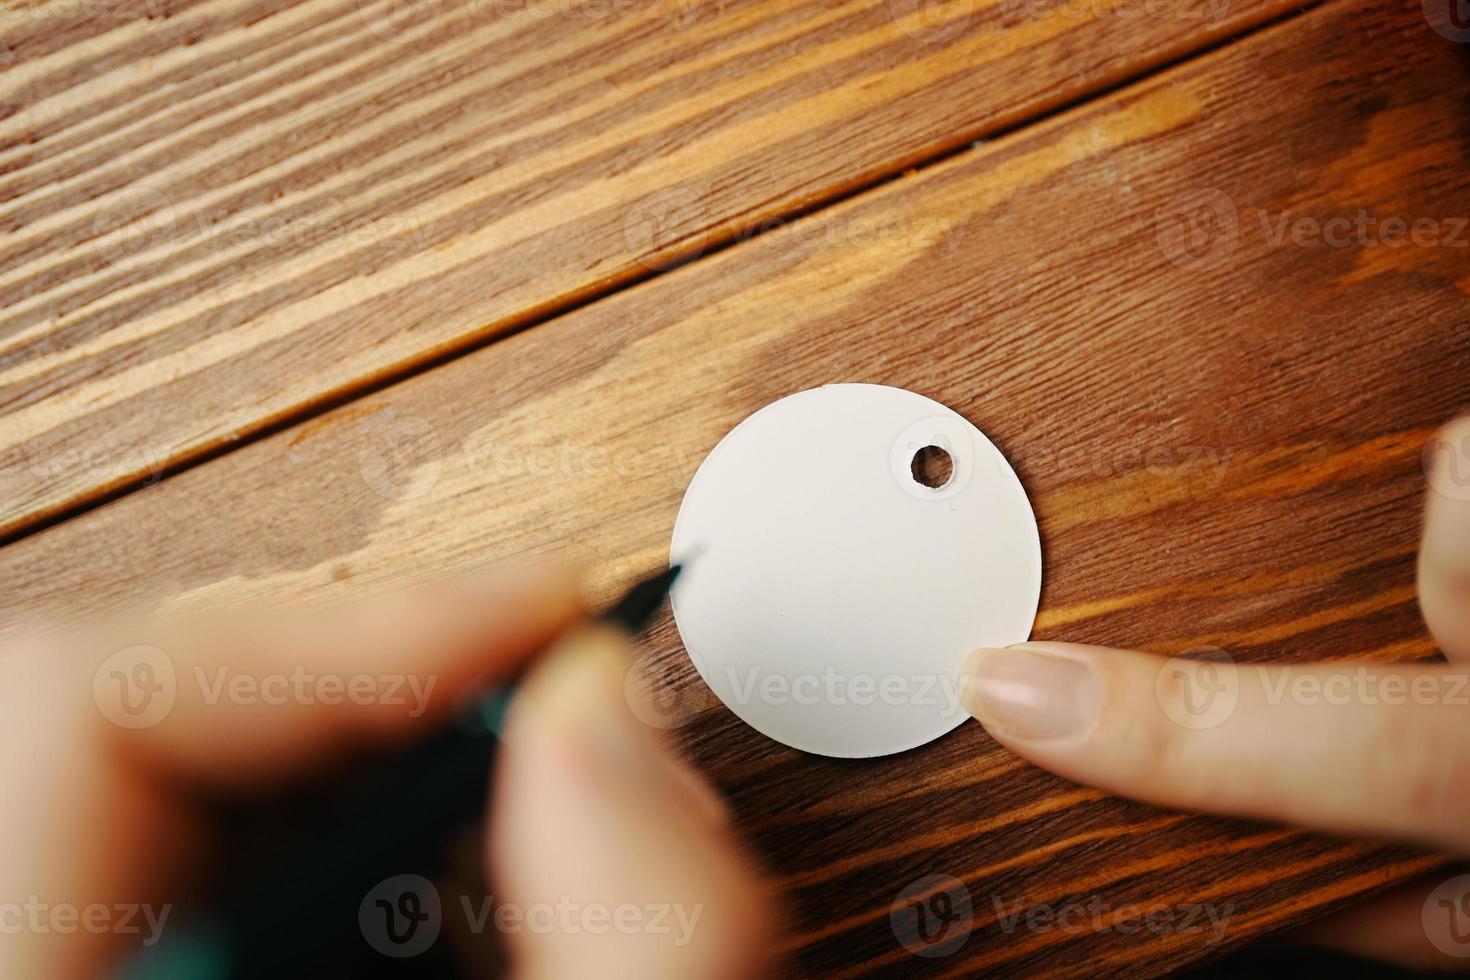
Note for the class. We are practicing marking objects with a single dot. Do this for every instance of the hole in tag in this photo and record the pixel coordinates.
(932, 467)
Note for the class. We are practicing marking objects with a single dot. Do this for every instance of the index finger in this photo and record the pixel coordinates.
(255, 697)
(1348, 748)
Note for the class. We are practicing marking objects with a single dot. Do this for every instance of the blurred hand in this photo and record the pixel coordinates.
(1363, 749)
(109, 746)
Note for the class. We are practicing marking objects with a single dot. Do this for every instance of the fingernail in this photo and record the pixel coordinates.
(1030, 695)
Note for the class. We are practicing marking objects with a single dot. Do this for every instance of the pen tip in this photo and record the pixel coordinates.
(641, 603)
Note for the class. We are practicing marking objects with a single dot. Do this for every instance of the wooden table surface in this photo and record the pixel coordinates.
(303, 299)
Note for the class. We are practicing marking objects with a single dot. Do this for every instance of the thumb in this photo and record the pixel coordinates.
(618, 857)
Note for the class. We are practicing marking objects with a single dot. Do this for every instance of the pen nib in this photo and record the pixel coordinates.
(642, 602)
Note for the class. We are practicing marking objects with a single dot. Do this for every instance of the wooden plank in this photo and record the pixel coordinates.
(219, 214)
(1221, 435)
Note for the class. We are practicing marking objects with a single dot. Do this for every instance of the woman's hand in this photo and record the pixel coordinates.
(110, 744)
(1353, 748)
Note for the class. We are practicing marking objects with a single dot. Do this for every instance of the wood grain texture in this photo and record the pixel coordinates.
(218, 214)
(1220, 429)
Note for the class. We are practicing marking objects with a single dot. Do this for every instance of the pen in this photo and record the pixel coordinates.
(394, 819)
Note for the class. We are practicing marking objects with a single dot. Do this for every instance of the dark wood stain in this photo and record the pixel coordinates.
(1221, 451)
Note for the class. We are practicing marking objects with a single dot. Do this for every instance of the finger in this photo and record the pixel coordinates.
(62, 786)
(1419, 925)
(70, 760)
(617, 859)
(1444, 554)
(261, 696)
(1345, 748)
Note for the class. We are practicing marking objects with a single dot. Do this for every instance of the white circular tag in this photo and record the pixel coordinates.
(830, 597)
